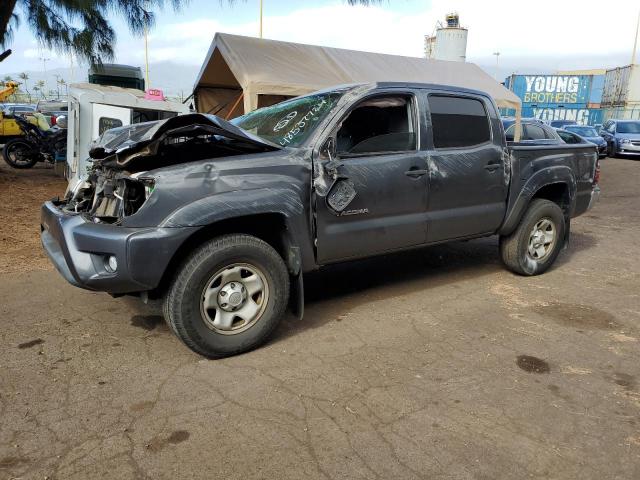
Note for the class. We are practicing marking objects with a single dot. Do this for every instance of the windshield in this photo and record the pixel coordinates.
(583, 131)
(289, 123)
(629, 127)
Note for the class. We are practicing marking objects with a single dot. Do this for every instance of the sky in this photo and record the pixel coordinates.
(532, 36)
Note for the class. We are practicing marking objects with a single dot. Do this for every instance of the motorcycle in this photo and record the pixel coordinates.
(36, 145)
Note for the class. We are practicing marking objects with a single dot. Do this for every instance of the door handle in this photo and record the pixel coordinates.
(492, 167)
(415, 172)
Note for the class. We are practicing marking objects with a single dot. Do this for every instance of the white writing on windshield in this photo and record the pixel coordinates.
(299, 126)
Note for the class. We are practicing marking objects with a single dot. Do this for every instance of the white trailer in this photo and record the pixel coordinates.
(96, 108)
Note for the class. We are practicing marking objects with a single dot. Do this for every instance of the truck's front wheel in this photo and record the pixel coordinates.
(228, 296)
(533, 247)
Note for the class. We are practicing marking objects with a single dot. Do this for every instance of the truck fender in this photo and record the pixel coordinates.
(516, 208)
(237, 203)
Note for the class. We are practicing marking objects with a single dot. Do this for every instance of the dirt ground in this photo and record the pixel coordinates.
(21, 194)
(434, 364)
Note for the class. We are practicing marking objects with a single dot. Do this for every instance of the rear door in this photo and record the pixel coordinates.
(467, 181)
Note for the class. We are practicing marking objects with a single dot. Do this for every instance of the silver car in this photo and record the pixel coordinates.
(622, 137)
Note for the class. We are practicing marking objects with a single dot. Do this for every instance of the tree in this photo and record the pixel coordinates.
(62, 83)
(58, 86)
(24, 76)
(82, 27)
(40, 88)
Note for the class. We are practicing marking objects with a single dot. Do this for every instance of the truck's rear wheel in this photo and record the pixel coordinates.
(533, 247)
(228, 296)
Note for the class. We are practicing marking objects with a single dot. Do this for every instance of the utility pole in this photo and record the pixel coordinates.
(146, 52)
(260, 18)
(497, 54)
(635, 43)
(146, 59)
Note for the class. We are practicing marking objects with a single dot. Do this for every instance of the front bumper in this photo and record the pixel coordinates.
(628, 149)
(79, 248)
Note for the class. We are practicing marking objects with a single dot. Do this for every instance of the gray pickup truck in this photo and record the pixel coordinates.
(221, 219)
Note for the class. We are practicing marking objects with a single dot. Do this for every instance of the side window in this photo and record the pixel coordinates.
(612, 128)
(378, 125)
(458, 121)
(534, 132)
(105, 123)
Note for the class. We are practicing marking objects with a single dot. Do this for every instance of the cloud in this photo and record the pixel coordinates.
(533, 35)
(540, 30)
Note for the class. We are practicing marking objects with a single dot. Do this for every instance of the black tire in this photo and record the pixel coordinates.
(13, 147)
(183, 308)
(514, 248)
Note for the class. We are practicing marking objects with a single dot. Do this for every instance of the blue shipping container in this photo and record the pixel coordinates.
(559, 97)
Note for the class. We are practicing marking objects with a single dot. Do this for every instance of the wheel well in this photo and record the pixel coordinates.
(270, 227)
(557, 193)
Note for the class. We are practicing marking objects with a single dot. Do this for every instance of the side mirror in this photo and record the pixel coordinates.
(341, 195)
(61, 121)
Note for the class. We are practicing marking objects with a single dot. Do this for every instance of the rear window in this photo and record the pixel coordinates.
(458, 122)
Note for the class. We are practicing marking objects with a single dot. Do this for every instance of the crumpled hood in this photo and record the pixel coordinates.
(597, 140)
(129, 143)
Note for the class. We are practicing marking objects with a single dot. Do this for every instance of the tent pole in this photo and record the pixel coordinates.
(234, 106)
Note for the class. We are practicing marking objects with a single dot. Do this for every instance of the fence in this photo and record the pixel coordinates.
(622, 113)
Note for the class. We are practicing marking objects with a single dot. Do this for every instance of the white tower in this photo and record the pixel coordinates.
(449, 42)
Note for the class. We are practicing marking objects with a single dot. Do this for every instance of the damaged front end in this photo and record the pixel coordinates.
(108, 196)
(118, 183)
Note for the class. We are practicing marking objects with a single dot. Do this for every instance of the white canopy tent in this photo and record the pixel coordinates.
(241, 74)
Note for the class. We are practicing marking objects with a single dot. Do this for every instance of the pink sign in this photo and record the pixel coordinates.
(154, 94)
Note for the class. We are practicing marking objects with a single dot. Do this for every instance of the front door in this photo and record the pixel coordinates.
(467, 183)
(377, 152)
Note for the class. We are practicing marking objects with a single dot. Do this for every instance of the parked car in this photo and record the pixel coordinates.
(508, 121)
(17, 108)
(52, 110)
(591, 135)
(561, 123)
(622, 137)
(532, 131)
(220, 219)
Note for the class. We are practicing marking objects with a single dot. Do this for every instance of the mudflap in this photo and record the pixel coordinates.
(296, 299)
(567, 233)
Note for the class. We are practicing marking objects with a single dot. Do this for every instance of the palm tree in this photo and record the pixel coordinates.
(84, 27)
(58, 86)
(40, 84)
(62, 83)
(24, 77)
